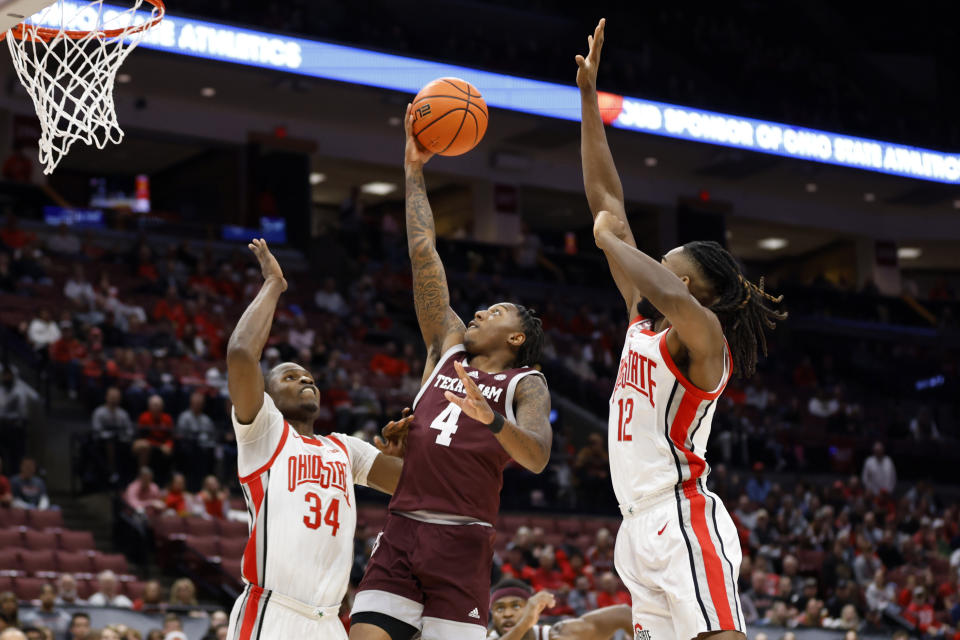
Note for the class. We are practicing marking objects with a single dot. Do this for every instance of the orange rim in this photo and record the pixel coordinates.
(22, 32)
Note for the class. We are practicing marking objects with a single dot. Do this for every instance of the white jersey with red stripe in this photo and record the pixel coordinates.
(659, 422)
(300, 498)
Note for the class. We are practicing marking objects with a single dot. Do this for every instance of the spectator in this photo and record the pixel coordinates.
(6, 494)
(15, 397)
(812, 614)
(880, 594)
(600, 555)
(29, 490)
(9, 611)
(758, 487)
(214, 498)
(592, 468)
(920, 612)
(823, 406)
(879, 474)
(183, 594)
(152, 599)
(108, 594)
(48, 614)
(8, 281)
(67, 594)
(78, 289)
(547, 577)
(196, 438)
(63, 243)
(155, 433)
(143, 494)
(177, 499)
(12, 633)
(17, 167)
(112, 429)
(923, 427)
(329, 299)
(43, 331)
(582, 598)
(387, 362)
(300, 336)
(867, 563)
(12, 236)
(610, 592)
(79, 626)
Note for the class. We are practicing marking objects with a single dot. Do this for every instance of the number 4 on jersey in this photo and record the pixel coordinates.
(446, 424)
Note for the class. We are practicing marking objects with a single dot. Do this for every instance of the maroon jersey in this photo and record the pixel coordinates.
(454, 464)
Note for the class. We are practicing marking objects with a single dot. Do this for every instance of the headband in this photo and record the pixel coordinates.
(508, 592)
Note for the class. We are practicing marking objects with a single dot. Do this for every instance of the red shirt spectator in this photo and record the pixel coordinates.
(177, 496)
(156, 426)
(388, 363)
(67, 348)
(922, 615)
(547, 576)
(171, 309)
(611, 593)
(13, 236)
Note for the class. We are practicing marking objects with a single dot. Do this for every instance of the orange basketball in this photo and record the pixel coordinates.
(449, 116)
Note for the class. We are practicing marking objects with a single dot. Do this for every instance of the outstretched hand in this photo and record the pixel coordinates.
(394, 440)
(414, 154)
(269, 266)
(535, 606)
(606, 221)
(587, 67)
(473, 404)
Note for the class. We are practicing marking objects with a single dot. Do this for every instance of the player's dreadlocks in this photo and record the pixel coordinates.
(529, 352)
(741, 305)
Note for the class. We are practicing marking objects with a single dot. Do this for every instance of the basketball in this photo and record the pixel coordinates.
(450, 117)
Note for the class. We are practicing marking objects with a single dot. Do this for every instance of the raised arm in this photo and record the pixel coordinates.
(600, 178)
(597, 625)
(440, 326)
(529, 439)
(246, 344)
(697, 329)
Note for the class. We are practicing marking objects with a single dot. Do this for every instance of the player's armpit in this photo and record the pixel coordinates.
(384, 474)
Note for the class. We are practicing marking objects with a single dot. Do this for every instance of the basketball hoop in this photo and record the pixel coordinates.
(67, 57)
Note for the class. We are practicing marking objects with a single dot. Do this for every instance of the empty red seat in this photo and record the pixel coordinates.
(13, 517)
(86, 588)
(231, 567)
(167, 526)
(6, 583)
(207, 546)
(10, 560)
(547, 524)
(513, 522)
(115, 562)
(76, 540)
(74, 561)
(569, 525)
(232, 547)
(45, 519)
(233, 529)
(200, 527)
(10, 538)
(28, 588)
(35, 562)
(40, 540)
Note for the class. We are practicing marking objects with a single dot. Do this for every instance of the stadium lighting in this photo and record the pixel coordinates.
(316, 59)
(650, 161)
(378, 188)
(316, 177)
(909, 253)
(811, 187)
(124, 78)
(773, 244)
(869, 197)
(208, 92)
(956, 204)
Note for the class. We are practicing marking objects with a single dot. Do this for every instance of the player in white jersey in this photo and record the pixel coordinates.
(700, 321)
(515, 615)
(298, 488)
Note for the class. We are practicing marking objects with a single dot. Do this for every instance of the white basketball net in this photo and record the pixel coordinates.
(71, 80)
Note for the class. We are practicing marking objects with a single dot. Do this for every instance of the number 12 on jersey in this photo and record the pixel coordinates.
(626, 415)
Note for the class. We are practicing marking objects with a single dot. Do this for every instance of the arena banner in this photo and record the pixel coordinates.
(226, 43)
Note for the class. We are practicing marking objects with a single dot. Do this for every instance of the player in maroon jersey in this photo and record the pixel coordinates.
(480, 405)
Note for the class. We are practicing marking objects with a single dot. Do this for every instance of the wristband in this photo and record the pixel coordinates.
(497, 425)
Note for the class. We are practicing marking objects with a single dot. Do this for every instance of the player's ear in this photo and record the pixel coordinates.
(517, 339)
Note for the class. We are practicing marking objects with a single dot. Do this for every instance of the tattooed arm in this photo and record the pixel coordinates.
(440, 326)
(528, 440)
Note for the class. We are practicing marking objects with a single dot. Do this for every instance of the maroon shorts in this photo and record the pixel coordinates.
(445, 569)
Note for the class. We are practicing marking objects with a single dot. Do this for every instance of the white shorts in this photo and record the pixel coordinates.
(255, 617)
(679, 555)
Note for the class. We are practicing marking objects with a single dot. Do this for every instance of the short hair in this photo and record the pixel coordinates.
(532, 348)
(79, 614)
